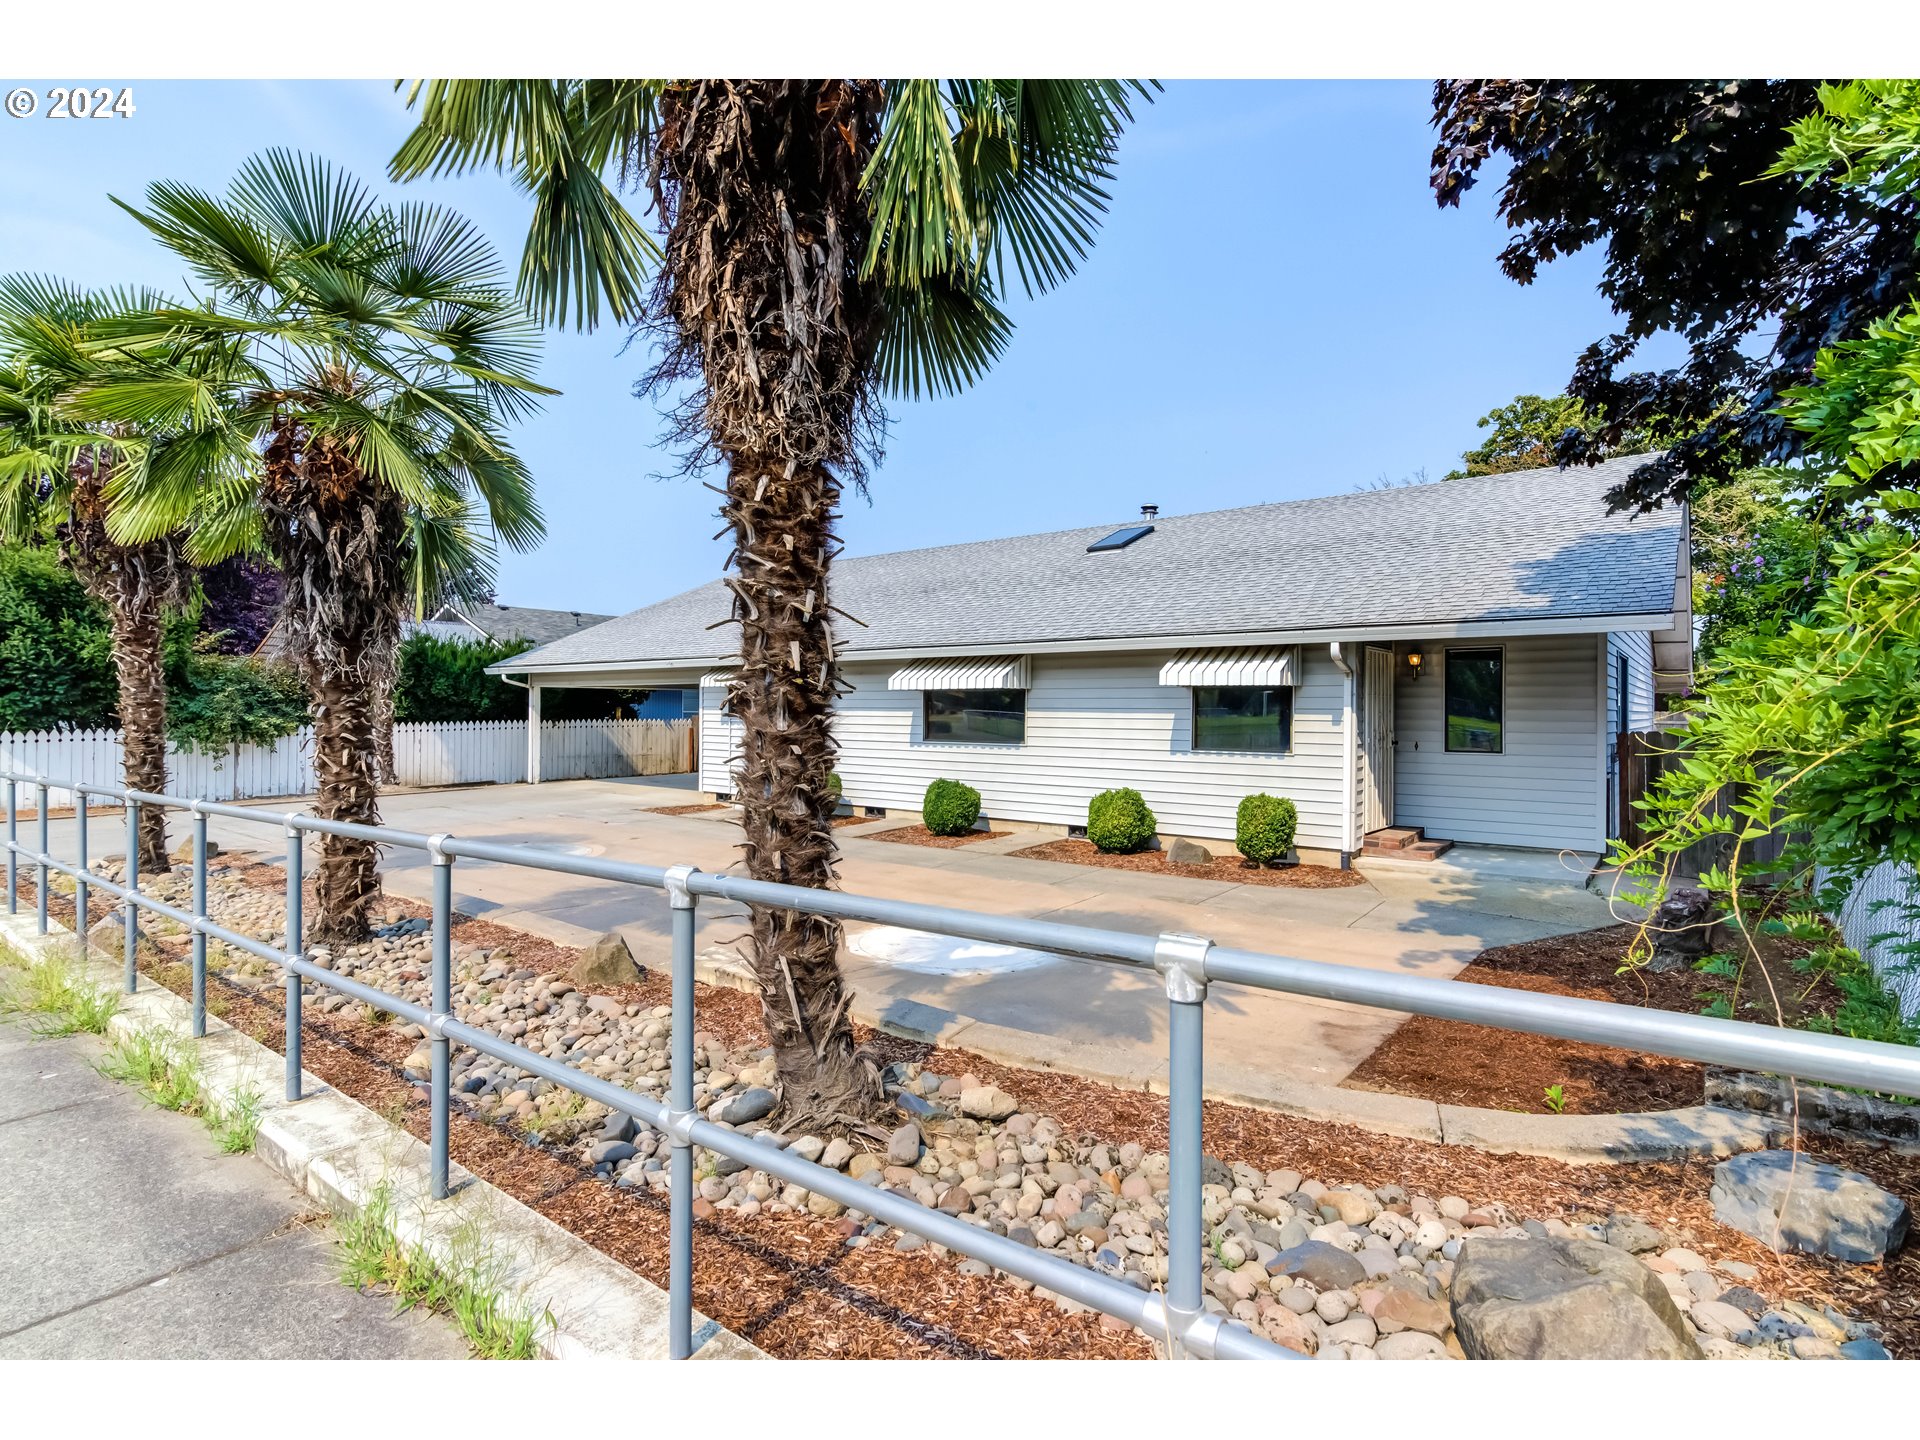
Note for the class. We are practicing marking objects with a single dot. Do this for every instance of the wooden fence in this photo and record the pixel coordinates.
(491, 752)
(1642, 757)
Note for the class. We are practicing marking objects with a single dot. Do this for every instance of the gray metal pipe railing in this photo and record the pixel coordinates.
(1186, 964)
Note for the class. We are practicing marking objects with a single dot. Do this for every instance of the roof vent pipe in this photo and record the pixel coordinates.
(1149, 512)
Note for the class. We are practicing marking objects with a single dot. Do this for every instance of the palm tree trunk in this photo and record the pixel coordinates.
(760, 304)
(783, 693)
(347, 776)
(340, 540)
(143, 720)
(137, 584)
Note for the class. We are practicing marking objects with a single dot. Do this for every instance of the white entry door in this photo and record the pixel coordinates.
(1376, 742)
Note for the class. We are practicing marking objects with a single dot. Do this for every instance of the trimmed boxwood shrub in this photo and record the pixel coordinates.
(1119, 822)
(950, 808)
(1263, 828)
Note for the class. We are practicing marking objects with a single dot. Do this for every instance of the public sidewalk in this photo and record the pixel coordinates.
(130, 1237)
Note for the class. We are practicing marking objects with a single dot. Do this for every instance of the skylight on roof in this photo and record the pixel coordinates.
(1120, 539)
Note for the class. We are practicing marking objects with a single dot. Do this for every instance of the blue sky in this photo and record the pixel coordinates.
(1275, 309)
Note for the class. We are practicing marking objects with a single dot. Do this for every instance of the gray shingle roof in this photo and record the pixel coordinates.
(1535, 544)
(509, 622)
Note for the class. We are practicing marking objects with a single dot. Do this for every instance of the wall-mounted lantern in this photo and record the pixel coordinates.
(1415, 660)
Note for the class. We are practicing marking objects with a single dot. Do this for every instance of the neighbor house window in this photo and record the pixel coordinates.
(1243, 717)
(1476, 701)
(976, 717)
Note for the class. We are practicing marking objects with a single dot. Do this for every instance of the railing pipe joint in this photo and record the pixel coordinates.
(1181, 961)
(679, 897)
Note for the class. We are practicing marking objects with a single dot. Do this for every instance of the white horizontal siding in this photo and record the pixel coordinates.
(719, 736)
(1094, 723)
(1544, 789)
(1636, 648)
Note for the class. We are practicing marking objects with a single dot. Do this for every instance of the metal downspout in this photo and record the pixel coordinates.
(1348, 744)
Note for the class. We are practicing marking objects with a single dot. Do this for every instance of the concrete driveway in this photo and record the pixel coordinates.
(1427, 919)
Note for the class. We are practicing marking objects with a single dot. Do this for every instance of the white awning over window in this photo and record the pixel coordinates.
(716, 680)
(993, 672)
(1265, 665)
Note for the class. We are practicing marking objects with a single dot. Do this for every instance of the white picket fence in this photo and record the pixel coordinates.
(1872, 922)
(485, 752)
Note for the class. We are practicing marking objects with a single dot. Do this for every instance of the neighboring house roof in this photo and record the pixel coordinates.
(469, 623)
(508, 622)
(1530, 545)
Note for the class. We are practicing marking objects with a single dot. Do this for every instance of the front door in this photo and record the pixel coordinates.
(1376, 742)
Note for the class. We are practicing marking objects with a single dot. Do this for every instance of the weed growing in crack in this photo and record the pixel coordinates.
(465, 1286)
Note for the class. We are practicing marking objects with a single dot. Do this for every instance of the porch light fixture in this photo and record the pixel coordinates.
(1414, 661)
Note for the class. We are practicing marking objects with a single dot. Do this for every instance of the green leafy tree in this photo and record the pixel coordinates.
(441, 679)
(1760, 558)
(223, 701)
(364, 359)
(1703, 235)
(824, 244)
(1521, 435)
(1814, 721)
(56, 647)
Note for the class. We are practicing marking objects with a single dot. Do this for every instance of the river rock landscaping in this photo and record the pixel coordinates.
(1329, 1241)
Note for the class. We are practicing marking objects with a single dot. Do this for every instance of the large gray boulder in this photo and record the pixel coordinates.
(1528, 1299)
(605, 964)
(1796, 1202)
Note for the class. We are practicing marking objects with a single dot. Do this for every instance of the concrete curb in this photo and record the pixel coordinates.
(1697, 1132)
(335, 1150)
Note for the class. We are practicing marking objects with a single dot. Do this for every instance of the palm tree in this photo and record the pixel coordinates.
(826, 243)
(370, 355)
(56, 470)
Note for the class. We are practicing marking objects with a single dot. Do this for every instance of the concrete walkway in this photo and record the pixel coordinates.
(130, 1237)
(1103, 1020)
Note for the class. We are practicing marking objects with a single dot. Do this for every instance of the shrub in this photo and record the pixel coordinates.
(950, 808)
(833, 784)
(216, 701)
(1119, 822)
(440, 679)
(56, 653)
(1263, 828)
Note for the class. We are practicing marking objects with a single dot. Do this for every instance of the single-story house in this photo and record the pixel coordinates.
(1455, 657)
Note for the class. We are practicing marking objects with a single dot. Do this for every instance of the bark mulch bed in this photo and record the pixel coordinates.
(920, 835)
(701, 809)
(1228, 870)
(1456, 1063)
(790, 1285)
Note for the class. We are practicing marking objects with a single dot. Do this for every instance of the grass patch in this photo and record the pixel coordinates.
(154, 1063)
(466, 1288)
(236, 1127)
(56, 998)
(157, 1064)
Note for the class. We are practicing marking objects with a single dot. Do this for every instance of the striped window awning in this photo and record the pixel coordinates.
(991, 672)
(1265, 665)
(716, 680)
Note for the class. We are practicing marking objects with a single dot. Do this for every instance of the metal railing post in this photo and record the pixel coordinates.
(680, 1108)
(13, 839)
(80, 876)
(199, 913)
(293, 948)
(442, 1009)
(40, 867)
(1182, 963)
(130, 912)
